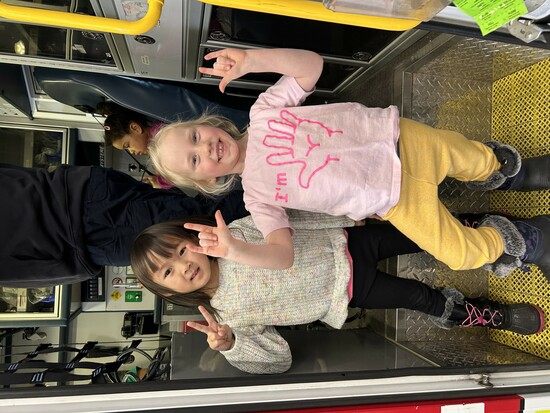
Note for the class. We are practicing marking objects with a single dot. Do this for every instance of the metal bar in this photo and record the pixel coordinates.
(314, 10)
(82, 21)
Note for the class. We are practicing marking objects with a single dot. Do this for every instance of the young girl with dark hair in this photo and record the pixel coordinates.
(130, 131)
(126, 129)
(333, 268)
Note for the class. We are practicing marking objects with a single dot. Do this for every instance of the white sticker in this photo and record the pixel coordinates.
(464, 408)
(135, 10)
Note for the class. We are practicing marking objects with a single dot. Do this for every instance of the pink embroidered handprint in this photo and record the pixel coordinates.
(298, 141)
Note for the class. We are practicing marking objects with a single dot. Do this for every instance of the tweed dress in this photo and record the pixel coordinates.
(253, 300)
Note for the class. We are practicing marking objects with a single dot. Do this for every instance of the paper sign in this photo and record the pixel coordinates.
(492, 14)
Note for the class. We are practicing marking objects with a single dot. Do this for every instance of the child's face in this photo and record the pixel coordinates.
(202, 154)
(185, 271)
(135, 141)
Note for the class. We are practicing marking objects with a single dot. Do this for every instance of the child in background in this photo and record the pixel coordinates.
(333, 268)
(130, 131)
(347, 159)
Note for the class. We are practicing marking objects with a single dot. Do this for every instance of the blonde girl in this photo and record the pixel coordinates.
(347, 159)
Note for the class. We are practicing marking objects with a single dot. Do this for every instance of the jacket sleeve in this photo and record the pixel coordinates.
(259, 350)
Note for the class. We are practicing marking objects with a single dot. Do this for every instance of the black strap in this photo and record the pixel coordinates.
(51, 366)
(48, 349)
(59, 372)
(33, 354)
(42, 377)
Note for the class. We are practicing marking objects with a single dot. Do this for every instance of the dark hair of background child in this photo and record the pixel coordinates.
(117, 122)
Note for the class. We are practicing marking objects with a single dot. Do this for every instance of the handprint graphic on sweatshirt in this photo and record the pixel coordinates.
(289, 133)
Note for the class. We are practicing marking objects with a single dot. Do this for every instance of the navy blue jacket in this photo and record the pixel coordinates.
(62, 227)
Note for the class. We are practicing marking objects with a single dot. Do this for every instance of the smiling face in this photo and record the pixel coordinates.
(201, 153)
(135, 142)
(185, 271)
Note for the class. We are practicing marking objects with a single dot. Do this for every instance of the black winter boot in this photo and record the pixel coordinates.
(510, 161)
(482, 312)
(519, 318)
(526, 241)
(534, 175)
(536, 233)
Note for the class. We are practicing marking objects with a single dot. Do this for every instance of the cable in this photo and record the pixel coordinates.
(152, 368)
(142, 167)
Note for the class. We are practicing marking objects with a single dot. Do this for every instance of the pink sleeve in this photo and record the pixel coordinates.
(267, 218)
(285, 93)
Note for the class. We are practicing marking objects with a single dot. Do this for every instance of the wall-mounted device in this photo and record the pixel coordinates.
(122, 292)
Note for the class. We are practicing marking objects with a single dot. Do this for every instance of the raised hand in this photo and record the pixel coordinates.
(213, 241)
(229, 65)
(303, 65)
(219, 336)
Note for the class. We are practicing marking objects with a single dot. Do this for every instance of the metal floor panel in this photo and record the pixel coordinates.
(455, 83)
(521, 117)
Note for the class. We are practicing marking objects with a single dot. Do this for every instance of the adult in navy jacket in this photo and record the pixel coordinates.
(62, 227)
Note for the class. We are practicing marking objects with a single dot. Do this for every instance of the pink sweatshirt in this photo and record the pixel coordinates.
(338, 158)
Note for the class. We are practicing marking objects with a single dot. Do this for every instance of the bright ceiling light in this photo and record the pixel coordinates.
(19, 47)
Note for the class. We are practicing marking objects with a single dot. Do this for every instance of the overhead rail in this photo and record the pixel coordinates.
(83, 21)
(314, 10)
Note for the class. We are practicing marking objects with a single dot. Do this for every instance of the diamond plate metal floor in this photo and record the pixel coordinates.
(451, 82)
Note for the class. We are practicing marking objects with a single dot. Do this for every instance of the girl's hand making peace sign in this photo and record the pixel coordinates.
(219, 337)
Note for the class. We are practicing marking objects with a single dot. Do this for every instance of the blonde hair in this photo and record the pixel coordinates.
(222, 184)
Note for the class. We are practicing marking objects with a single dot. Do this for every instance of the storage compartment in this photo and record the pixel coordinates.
(347, 50)
(333, 74)
(56, 43)
(271, 30)
(34, 307)
(401, 9)
(33, 147)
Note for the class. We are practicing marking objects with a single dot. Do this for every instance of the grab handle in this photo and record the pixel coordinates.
(314, 10)
(83, 21)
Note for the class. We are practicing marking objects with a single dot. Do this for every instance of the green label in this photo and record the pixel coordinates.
(133, 297)
(492, 14)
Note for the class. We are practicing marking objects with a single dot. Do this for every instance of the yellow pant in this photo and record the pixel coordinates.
(429, 155)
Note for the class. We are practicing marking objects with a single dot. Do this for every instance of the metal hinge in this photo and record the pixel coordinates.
(527, 30)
